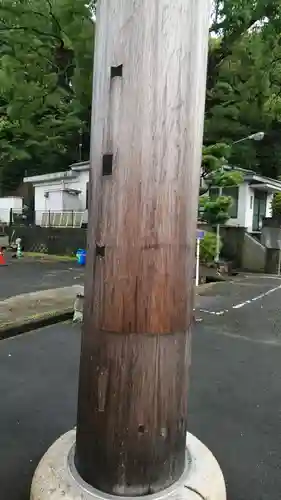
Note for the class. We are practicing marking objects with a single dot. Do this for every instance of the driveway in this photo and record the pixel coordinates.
(26, 276)
(234, 408)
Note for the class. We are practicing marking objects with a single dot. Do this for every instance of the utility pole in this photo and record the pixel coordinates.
(147, 126)
(80, 145)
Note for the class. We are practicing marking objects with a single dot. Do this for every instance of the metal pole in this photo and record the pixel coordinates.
(241, 140)
(197, 261)
(146, 146)
(80, 145)
(258, 136)
(217, 258)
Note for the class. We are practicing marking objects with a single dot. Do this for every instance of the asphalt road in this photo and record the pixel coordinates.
(38, 388)
(235, 402)
(31, 276)
(234, 408)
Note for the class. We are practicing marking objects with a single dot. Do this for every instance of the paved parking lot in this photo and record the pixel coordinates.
(26, 276)
(38, 387)
(234, 407)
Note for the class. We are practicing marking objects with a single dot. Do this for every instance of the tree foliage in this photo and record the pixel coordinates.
(46, 52)
(215, 173)
(208, 248)
(243, 96)
(244, 81)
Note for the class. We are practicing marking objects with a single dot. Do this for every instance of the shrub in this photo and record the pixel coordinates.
(208, 248)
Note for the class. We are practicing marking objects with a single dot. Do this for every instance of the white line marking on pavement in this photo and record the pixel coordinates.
(265, 294)
(238, 306)
(257, 298)
(242, 304)
(214, 313)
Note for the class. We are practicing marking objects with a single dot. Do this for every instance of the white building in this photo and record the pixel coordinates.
(61, 198)
(8, 204)
(252, 200)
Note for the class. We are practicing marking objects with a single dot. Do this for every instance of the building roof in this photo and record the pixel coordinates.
(257, 180)
(81, 165)
(56, 176)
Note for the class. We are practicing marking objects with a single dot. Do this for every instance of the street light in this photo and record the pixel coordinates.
(258, 136)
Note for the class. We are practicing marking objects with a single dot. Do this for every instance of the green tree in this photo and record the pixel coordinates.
(215, 210)
(46, 52)
(208, 248)
(244, 79)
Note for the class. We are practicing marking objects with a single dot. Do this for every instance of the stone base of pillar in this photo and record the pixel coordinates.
(56, 477)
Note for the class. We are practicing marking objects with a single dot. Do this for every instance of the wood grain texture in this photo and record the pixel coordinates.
(132, 408)
(131, 434)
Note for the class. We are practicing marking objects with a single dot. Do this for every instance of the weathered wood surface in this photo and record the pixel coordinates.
(132, 409)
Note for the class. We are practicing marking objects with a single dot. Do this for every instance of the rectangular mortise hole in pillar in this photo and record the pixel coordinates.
(100, 251)
(116, 71)
(107, 162)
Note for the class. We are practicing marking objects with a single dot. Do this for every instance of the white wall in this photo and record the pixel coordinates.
(54, 201)
(269, 205)
(84, 178)
(41, 202)
(71, 201)
(79, 183)
(6, 204)
(59, 200)
(9, 202)
(243, 202)
(250, 209)
(45, 204)
(246, 207)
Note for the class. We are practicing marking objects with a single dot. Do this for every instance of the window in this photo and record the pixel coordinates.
(228, 191)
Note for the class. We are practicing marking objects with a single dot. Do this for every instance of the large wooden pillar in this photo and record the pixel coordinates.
(148, 106)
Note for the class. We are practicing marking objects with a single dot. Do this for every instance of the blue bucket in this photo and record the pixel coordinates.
(81, 257)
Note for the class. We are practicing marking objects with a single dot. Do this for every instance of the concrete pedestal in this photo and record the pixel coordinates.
(56, 477)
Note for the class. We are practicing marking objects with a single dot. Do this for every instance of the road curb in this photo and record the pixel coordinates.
(30, 256)
(15, 328)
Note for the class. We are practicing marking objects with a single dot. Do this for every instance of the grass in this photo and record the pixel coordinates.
(46, 256)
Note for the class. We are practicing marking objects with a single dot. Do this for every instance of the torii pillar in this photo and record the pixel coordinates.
(147, 127)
